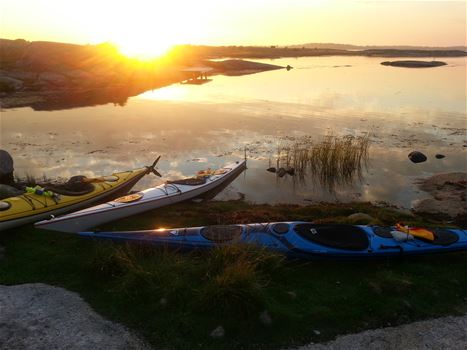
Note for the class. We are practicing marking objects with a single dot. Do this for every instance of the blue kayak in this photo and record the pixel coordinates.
(302, 239)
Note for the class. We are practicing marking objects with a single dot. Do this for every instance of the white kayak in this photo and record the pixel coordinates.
(168, 193)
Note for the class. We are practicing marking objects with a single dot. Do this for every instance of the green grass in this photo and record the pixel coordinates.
(176, 299)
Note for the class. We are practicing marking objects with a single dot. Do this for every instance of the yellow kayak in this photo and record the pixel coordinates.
(39, 203)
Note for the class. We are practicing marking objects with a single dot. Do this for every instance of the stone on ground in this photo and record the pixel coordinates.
(42, 317)
(441, 333)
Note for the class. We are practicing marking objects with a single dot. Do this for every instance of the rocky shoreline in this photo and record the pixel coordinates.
(50, 76)
(448, 191)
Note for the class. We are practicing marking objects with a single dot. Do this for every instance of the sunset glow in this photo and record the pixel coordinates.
(146, 28)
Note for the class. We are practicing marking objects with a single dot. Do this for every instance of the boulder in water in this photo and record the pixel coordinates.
(440, 156)
(417, 157)
(290, 170)
(281, 172)
(271, 169)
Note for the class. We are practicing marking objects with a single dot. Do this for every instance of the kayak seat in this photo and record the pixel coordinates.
(346, 237)
(281, 228)
(383, 232)
(191, 181)
(221, 233)
(75, 186)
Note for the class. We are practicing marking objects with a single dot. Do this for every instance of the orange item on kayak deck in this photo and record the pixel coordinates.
(209, 172)
(416, 232)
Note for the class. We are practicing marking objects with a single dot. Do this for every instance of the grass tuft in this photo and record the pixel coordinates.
(237, 276)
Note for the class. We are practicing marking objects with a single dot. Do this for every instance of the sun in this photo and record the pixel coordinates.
(143, 49)
(150, 28)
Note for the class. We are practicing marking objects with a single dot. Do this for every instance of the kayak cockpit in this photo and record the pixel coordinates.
(75, 186)
(345, 237)
(443, 237)
(221, 233)
(191, 181)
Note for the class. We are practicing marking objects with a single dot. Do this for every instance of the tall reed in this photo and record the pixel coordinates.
(332, 161)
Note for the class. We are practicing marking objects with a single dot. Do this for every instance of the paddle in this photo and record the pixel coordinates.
(152, 168)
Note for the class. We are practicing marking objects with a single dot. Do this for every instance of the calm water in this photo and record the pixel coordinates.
(195, 127)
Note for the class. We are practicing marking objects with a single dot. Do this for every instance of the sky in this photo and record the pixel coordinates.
(152, 25)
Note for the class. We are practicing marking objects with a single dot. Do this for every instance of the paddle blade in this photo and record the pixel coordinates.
(155, 162)
(152, 168)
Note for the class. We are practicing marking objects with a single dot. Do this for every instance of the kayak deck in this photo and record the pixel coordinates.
(298, 239)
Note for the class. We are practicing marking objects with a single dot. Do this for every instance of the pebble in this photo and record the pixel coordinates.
(265, 317)
(218, 333)
(406, 303)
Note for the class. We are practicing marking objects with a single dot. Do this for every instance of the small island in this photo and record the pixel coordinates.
(414, 64)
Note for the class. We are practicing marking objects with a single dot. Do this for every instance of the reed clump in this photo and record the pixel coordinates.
(332, 161)
(31, 180)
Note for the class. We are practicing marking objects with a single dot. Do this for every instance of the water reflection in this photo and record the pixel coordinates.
(194, 127)
(357, 83)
